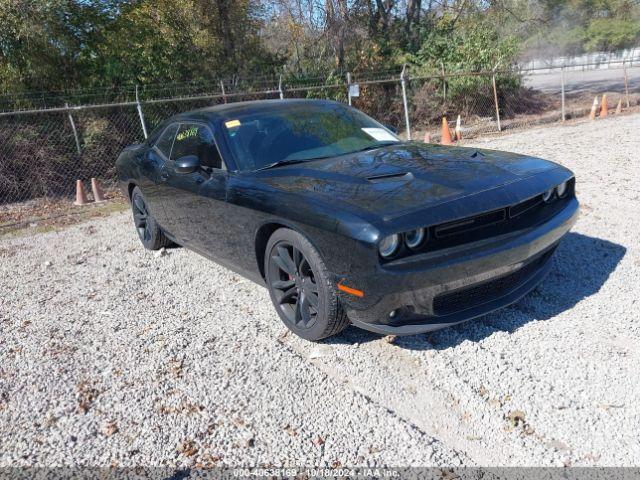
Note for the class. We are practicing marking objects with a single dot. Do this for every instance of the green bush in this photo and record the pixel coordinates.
(477, 47)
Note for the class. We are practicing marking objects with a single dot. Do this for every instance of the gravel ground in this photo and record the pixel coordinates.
(111, 355)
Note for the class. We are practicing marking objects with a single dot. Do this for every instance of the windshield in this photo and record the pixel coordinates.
(289, 133)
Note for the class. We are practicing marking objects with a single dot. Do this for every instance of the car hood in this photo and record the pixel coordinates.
(396, 179)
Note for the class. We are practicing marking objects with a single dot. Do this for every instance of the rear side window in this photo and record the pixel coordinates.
(196, 139)
(165, 141)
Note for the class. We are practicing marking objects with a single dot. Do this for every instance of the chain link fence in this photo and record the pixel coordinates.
(44, 150)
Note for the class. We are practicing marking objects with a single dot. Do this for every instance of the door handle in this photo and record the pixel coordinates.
(164, 175)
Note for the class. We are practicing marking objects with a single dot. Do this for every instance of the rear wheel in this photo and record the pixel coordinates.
(301, 288)
(148, 230)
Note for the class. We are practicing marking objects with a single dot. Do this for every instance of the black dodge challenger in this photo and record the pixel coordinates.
(343, 222)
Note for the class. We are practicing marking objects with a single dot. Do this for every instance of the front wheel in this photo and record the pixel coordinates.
(301, 288)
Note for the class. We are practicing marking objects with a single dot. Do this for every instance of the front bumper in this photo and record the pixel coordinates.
(436, 290)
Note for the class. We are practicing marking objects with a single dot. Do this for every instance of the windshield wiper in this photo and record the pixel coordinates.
(279, 163)
(373, 147)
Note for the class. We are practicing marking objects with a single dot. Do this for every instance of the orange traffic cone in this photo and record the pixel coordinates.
(604, 108)
(594, 107)
(445, 139)
(98, 196)
(427, 137)
(619, 107)
(81, 194)
(458, 129)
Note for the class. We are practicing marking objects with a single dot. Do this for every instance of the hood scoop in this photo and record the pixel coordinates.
(389, 176)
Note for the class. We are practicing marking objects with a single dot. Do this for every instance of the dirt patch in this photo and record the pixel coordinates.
(39, 215)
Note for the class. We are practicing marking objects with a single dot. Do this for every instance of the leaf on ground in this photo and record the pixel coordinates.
(188, 448)
(175, 367)
(110, 428)
(291, 431)
(85, 396)
(516, 418)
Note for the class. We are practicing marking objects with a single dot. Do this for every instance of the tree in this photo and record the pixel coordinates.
(42, 43)
(63, 44)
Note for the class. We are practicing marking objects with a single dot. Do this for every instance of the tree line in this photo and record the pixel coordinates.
(59, 45)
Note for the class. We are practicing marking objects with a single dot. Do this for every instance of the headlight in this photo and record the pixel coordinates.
(548, 195)
(561, 189)
(414, 238)
(389, 245)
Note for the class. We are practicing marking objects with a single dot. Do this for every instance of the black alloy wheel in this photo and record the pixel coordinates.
(292, 278)
(301, 289)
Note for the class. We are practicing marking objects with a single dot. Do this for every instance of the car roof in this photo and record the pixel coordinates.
(228, 110)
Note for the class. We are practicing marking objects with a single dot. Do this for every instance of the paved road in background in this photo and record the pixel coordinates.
(611, 80)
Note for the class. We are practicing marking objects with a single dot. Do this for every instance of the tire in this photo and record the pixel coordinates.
(148, 229)
(297, 278)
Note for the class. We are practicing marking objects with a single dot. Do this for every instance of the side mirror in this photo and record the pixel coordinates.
(392, 128)
(187, 164)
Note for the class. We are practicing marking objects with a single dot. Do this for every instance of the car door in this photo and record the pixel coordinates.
(153, 172)
(195, 203)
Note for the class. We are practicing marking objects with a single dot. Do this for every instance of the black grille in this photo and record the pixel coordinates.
(515, 217)
(469, 224)
(458, 300)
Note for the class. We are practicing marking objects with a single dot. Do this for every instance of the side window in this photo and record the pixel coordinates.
(196, 139)
(165, 141)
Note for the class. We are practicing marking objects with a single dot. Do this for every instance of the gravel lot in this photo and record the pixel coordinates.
(111, 355)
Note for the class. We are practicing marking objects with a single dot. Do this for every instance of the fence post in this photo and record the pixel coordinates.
(73, 127)
(403, 83)
(280, 87)
(224, 95)
(626, 84)
(139, 108)
(562, 92)
(349, 87)
(495, 99)
(444, 83)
